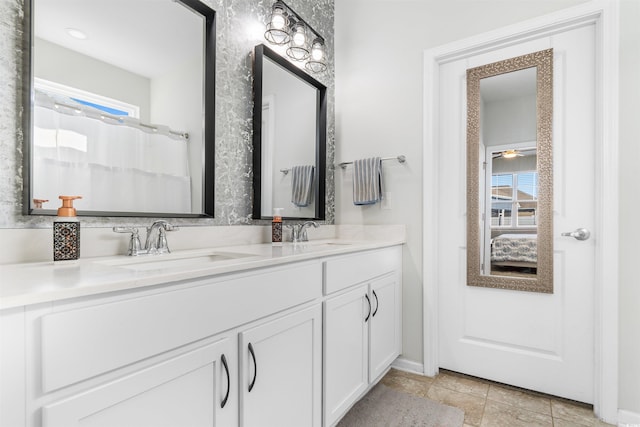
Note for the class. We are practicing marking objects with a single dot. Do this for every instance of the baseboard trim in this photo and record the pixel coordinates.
(408, 366)
(628, 418)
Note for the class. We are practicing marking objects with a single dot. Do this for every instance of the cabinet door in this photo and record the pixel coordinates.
(385, 325)
(280, 377)
(187, 390)
(346, 350)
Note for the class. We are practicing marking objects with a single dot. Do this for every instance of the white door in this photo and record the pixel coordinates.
(537, 341)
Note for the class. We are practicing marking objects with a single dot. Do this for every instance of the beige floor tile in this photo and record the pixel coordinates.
(472, 405)
(462, 384)
(519, 399)
(408, 385)
(410, 375)
(579, 415)
(558, 422)
(498, 414)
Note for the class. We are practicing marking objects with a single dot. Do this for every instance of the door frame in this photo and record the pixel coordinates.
(604, 14)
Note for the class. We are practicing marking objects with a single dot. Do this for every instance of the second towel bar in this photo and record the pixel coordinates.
(401, 159)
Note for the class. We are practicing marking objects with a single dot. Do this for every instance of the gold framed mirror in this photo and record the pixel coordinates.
(510, 174)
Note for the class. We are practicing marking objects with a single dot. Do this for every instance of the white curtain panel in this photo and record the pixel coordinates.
(113, 167)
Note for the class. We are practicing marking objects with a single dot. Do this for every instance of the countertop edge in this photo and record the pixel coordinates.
(31, 292)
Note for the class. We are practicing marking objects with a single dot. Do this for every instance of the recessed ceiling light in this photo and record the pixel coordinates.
(76, 34)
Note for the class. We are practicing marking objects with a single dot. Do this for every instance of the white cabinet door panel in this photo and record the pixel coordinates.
(346, 351)
(280, 380)
(185, 391)
(385, 327)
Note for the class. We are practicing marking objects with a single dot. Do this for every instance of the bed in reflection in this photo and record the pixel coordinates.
(515, 251)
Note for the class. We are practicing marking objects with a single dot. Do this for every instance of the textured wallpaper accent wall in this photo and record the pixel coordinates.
(240, 24)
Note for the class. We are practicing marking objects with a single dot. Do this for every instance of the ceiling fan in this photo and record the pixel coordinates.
(510, 154)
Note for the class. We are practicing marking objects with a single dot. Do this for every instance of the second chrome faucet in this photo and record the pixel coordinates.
(156, 241)
(299, 231)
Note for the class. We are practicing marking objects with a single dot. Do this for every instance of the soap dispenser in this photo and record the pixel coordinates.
(276, 227)
(66, 231)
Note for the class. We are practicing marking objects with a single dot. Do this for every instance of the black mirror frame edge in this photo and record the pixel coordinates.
(261, 51)
(209, 74)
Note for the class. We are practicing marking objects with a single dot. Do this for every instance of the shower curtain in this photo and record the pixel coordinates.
(113, 166)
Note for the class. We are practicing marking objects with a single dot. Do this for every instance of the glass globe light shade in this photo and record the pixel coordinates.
(278, 21)
(299, 36)
(317, 50)
(278, 26)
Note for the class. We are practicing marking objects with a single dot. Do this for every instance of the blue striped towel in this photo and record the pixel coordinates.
(301, 185)
(367, 181)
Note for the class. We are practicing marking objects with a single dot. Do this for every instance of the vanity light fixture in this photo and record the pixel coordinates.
(298, 46)
(286, 27)
(316, 62)
(278, 26)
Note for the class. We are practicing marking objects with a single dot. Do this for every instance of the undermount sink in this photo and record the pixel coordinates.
(325, 243)
(174, 260)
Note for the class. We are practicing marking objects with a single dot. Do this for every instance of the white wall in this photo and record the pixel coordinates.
(509, 121)
(61, 65)
(629, 352)
(379, 47)
(177, 101)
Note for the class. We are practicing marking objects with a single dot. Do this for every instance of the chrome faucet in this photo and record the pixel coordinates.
(158, 245)
(299, 231)
(156, 241)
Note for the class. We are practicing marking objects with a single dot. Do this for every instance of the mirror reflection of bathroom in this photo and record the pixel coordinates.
(118, 102)
(288, 138)
(510, 196)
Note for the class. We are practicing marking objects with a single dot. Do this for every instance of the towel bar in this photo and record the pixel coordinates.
(401, 159)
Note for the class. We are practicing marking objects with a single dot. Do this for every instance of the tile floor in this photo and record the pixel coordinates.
(489, 404)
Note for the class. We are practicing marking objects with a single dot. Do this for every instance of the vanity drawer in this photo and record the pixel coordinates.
(81, 343)
(345, 271)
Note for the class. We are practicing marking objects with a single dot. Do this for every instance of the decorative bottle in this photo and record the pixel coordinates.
(276, 227)
(66, 231)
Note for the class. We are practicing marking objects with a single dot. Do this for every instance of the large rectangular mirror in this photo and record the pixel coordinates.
(509, 174)
(121, 97)
(289, 139)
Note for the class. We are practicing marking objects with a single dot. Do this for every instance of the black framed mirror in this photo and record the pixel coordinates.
(119, 110)
(289, 139)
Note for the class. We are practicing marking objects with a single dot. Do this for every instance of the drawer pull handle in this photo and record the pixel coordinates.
(368, 314)
(226, 369)
(255, 367)
(377, 304)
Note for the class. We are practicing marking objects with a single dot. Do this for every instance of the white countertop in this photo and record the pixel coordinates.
(32, 283)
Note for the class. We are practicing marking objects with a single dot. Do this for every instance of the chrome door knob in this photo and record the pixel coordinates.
(579, 234)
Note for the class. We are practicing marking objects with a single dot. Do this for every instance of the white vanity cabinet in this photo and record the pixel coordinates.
(362, 323)
(170, 355)
(294, 344)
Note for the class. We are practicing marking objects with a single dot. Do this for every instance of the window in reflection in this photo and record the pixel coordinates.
(512, 209)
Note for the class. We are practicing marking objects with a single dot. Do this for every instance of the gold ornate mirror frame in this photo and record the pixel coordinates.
(543, 282)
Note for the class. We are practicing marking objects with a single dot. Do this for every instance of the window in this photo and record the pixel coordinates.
(514, 199)
(103, 103)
